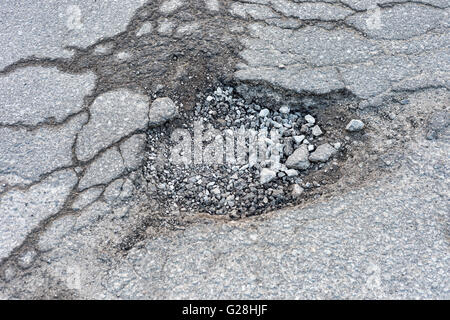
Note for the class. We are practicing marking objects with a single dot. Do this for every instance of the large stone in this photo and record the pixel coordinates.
(354, 125)
(299, 159)
(114, 115)
(322, 153)
(33, 95)
(310, 119)
(162, 110)
(267, 175)
(23, 210)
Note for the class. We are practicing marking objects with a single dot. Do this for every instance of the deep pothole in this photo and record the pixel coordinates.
(237, 155)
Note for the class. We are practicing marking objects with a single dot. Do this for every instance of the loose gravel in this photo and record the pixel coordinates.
(295, 145)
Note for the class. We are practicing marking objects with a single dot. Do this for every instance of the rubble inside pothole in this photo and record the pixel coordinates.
(195, 163)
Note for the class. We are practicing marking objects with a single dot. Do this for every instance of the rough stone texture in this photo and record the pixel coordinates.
(56, 232)
(298, 139)
(43, 29)
(267, 175)
(400, 22)
(165, 27)
(438, 125)
(8, 275)
(322, 153)
(146, 28)
(127, 189)
(132, 151)
(95, 212)
(371, 79)
(311, 11)
(299, 159)
(112, 192)
(33, 95)
(318, 81)
(297, 190)
(316, 131)
(310, 119)
(21, 211)
(368, 4)
(26, 260)
(354, 125)
(170, 5)
(103, 48)
(162, 110)
(317, 60)
(103, 170)
(86, 197)
(255, 11)
(27, 155)
(212, 5)
(114, 115)
(118, 190)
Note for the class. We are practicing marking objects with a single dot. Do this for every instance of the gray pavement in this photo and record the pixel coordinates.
(49, 29)
(77, 79)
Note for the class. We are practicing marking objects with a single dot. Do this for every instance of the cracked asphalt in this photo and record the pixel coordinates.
(77, 80)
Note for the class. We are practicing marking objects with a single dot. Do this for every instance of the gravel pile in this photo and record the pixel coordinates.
(238, 189)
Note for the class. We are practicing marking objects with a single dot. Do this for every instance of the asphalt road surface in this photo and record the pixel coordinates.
(77, 79)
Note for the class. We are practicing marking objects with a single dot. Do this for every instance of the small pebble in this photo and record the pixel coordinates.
(285, 109)
(297, 190)
(264, 113)
(267, 175)
(354, 125)
(316, 131)
(310, 119)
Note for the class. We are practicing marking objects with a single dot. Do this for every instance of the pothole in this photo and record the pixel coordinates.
(233, 154)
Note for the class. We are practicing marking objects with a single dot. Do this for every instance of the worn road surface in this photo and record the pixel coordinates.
(77, 79)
